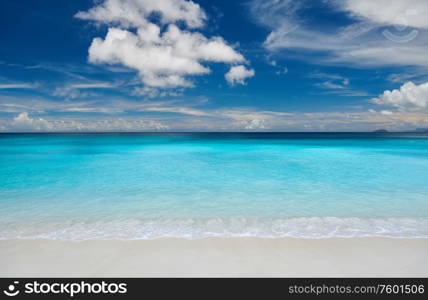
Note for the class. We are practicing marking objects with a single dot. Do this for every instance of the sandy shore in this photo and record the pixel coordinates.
(250, 257)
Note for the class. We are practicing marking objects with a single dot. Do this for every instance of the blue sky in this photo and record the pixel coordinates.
(251, 65)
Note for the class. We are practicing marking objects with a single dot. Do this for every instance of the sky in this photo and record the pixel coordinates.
(244, 65)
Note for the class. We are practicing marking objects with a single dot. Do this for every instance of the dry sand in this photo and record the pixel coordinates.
(244, 257)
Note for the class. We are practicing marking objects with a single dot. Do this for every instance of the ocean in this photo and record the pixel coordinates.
(197, 185)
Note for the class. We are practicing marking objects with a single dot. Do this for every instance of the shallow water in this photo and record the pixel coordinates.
(143, 186)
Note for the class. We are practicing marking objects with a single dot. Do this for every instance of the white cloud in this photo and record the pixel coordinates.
(329, 76)
(164, 60)
(135, 13)
(255, 124)
(409, 97)
(177, 115)
(283, 71)
(414, 75)
(24, 123)
(17, 86)
(389, 12)
(391, 54)
(164, 57)
(94, 85)
(336, 84)
(67, 92)
(386, 113)
(331, 85)
(150, 92)
(74, 91)
(238, 74)
(384, 32)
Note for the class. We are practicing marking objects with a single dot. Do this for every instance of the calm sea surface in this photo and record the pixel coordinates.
(145, 186)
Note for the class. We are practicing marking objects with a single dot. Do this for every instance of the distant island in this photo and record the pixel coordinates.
(423, 130)
(417, 130)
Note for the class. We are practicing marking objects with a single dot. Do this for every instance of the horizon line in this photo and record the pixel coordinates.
(200, 132)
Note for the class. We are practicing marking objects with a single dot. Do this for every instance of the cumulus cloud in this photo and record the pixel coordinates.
(61, 117)
(135, 13)
(163, 54)
(361, 42)
(24, 123)
(238, 74)
(255, 124)
(409, 97)
(162, 60)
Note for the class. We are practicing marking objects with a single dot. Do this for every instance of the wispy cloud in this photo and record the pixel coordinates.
(79, 90)
(361, 40)
(336, 84)
(25, 123)
(95, 85)
(183, 115)
(17, 86)
(239, 120)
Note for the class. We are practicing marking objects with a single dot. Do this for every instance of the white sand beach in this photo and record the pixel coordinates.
(243, 257)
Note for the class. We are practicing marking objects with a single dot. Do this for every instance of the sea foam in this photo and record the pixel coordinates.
(308, 228)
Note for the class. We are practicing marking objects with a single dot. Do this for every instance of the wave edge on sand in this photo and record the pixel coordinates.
(309, 228)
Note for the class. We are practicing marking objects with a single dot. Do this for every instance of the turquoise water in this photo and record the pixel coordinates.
(145, 186)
